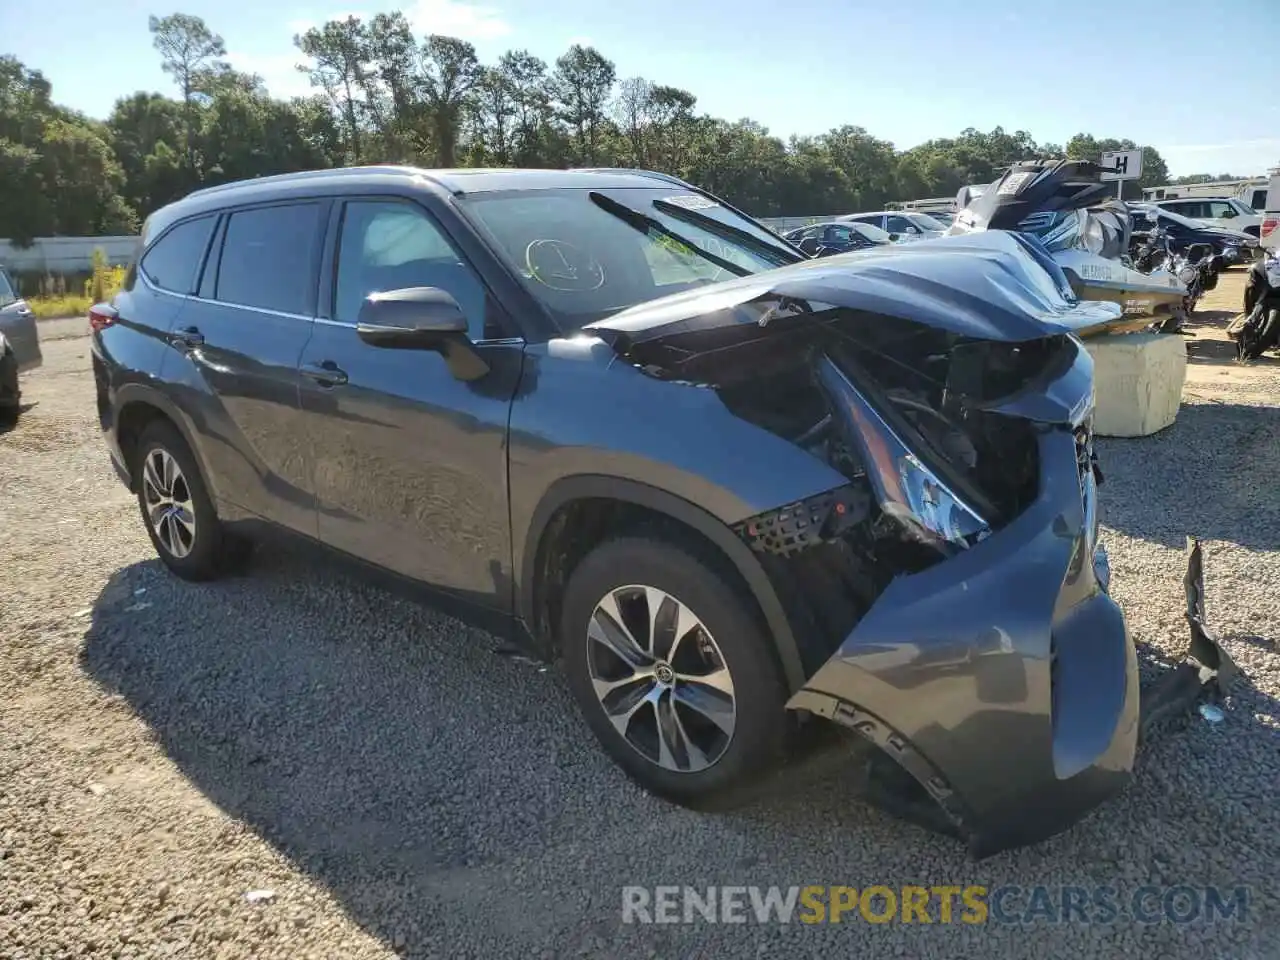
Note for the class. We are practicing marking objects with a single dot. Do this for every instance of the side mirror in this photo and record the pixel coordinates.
(421, 318)
(1228, 213)
(895, 237)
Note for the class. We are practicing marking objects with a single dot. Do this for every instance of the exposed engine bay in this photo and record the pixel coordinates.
(932, 391)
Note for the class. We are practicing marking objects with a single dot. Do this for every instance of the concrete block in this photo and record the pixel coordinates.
(1138, 377)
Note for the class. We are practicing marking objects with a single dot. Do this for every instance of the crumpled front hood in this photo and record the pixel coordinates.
(988, 286)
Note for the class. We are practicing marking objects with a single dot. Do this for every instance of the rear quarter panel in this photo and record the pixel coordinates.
(19, 330)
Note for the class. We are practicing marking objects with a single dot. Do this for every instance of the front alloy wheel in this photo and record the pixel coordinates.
(168, 504)
(660, 678)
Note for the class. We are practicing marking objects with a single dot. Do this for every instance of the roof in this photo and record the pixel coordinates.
(458, 180)
(455, 181)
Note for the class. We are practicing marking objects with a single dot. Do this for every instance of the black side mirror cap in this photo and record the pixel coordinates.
(421, 318)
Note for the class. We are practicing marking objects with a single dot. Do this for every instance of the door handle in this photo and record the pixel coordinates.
(187, 337)
(326, 373)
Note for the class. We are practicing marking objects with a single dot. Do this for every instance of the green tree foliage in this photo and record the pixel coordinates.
(384, 94)
(58, 173)
(192, 54)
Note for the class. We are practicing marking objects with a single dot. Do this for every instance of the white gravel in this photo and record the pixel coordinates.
(167, 749)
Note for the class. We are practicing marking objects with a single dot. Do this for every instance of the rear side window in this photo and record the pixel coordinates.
(268, 258)
(173, 260)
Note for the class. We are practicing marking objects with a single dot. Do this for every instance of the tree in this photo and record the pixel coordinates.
(337, 51)
(495, 110)
(147, 134)
(582, 85)
(631, 111)
(192, 54)
(526, 77)
(58, 174)
(449, 71)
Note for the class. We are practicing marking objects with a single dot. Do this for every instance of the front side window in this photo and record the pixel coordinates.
(585, 254)
(7, 296)
(1221, 209)
(387, 245)
(268, 258)
(173, 260)
(899, 224)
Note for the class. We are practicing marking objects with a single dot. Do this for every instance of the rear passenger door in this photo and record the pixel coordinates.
(156, 291)
(236, 348)
(410, 462)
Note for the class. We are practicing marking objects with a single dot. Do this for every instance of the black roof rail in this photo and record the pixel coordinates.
(636, 171)
(310, 175)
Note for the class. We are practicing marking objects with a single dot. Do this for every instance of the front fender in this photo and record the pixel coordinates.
(569, 489)
(586, 424)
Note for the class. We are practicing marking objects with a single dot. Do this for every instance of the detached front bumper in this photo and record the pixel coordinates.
(1003, 680)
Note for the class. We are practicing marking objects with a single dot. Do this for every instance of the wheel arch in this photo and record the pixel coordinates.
(532, 595)
(137, 405)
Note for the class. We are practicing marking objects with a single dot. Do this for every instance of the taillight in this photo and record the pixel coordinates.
(1268, 227)
(101, 316)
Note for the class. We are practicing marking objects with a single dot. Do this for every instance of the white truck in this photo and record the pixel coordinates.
(1269, 232)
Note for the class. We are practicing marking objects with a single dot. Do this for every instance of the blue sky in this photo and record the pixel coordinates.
(1198, 86)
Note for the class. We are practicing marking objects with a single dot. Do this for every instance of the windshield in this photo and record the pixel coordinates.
(1243, 208)
(871, 232)
(586, 254)
(925, 222)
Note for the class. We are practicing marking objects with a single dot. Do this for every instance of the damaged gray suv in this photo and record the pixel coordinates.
(619, 422)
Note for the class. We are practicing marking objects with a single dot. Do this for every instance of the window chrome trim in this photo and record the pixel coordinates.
(244, 306)
(305, 319)
(146, 282)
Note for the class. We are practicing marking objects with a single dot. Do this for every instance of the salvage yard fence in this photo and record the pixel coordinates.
(67, 257)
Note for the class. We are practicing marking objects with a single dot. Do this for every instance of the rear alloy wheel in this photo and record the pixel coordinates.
(166, 498)
(672, 669)
(179, 516)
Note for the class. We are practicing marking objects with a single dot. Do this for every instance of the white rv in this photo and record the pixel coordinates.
(1252, 192)
(1269, 233)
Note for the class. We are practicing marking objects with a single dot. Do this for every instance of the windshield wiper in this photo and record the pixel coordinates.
(645, 223)
(727, 231)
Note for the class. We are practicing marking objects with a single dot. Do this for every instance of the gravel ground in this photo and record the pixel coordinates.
(166, 748)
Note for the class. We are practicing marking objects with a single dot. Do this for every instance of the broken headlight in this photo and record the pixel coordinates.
(907, 489)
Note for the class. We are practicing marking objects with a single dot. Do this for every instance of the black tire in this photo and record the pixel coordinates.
(10, 394)
(760, 726)
(213, 551)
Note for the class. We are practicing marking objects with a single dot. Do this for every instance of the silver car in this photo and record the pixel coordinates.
(19, 347)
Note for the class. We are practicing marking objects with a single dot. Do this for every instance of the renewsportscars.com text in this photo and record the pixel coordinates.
(970, 904)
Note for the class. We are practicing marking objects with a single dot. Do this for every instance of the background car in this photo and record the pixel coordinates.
(901, 225)
(1234, 246)
(19, 347)
(1216, 212)
(840, 237)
